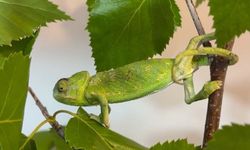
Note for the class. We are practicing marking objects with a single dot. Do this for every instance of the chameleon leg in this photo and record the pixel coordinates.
(198, 40)
(189, 60)
(98, 117)
(104, 116)
(105, 109)
(188, 88)
(208, 88)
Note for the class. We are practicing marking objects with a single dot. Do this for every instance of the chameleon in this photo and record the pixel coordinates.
(141, 78)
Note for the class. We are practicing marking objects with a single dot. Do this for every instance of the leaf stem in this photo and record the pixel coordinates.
(66, 112)
(55, 125)
(35, 130)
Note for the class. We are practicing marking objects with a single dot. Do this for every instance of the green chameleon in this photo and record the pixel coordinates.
(141, 78)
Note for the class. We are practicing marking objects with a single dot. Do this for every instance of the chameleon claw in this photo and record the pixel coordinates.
(95, 117)
(212, 86)
(98, 119)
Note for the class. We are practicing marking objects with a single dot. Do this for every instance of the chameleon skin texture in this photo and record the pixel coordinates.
(122, 84)
(132, 81)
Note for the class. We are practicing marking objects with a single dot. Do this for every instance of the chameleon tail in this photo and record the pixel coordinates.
(233, 58)
(198, 40)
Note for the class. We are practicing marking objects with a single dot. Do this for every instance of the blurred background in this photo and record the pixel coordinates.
(63, 48)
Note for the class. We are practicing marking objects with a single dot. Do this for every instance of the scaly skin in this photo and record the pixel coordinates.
(132, 81)
(141, 78)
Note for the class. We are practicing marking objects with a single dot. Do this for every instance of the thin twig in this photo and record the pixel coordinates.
(55, 125)
(197, 21)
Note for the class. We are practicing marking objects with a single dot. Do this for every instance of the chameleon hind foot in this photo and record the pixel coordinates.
(211, 86)
(208, 88)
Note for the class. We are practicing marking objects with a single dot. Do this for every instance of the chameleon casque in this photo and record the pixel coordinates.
(142, 78)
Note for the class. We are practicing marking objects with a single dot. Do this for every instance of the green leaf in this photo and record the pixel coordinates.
(177, 16)
(13, 86)
(25, 46)
(174, 145)
(48, 140)
(126, 31)
(30, 145)
(19, 19)
(85, 133)
(231, 18)
(198, 2)
(2, 60)
(235, 137)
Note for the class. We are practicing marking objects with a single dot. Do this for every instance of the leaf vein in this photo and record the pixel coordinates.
(12, 22)
(79, 118)
(8, 91)
(10, 121)
(131, 18)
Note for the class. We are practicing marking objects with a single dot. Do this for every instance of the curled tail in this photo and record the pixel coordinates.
(204, 51)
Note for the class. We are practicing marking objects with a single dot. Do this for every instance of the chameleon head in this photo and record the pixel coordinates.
(71, 90)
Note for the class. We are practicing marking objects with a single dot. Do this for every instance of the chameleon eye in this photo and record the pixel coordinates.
(62, 85)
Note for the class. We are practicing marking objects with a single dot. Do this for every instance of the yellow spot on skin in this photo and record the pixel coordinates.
(111, 75)
(148, 68)
(95, 81)
(160, 77)
(128, 75)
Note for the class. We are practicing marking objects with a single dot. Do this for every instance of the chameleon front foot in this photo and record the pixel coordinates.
(99, 120)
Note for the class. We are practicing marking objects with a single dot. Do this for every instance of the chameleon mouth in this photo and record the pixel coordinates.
(62, 97)
(69, 100)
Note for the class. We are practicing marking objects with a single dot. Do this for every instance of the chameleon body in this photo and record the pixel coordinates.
(141, 78)
(132, 81)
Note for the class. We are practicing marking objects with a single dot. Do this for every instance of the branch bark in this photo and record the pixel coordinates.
(55, 125)
(218, 70)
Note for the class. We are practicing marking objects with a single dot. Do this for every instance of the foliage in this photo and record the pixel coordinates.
(231, 138)
(121, 32)
(126, 31)
(24, 45)
(174, 145)
(13, 87)
(228, 24)
(232, 22)
(30, 146)
(19, 19)
(48, 140)
(85, 133)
